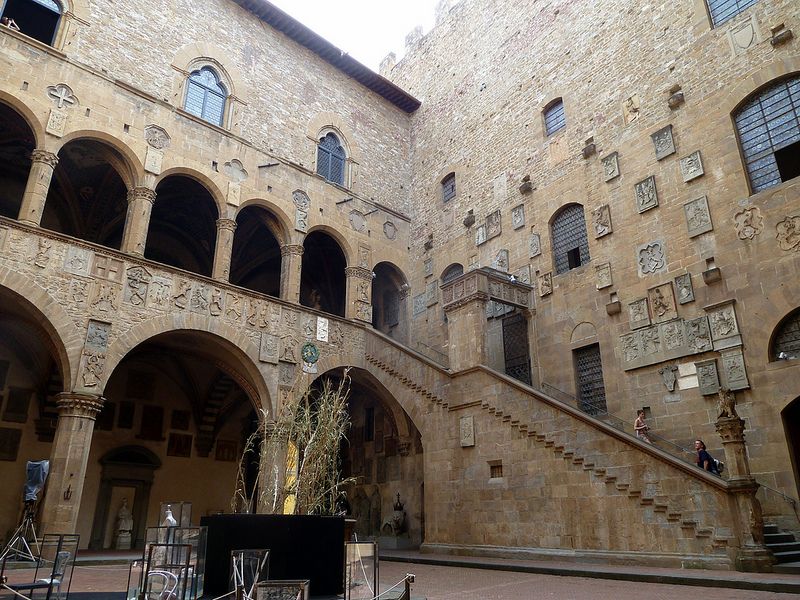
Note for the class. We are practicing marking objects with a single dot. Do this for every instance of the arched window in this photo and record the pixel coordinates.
(449, 187)
(570, 246)
(205, 96)
(554, 117)
(768, 125)
(452, 272)
(722, 10)
(330, 159)
(35, 18)
(786, 339)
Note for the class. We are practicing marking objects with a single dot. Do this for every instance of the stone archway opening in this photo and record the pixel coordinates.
(383, 453)
(256, 258)
(183, 225)
(322, 282)
(87, 198)
(183, 397)
(389, 301)
(791, 426)
(30, 380)
(17, 141)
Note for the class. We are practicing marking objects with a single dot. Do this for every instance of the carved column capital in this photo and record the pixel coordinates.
(292, 250)
(71, 404)
(731, 429)
(43, 156)
(358, 273)
(142, 193)
(226, 225)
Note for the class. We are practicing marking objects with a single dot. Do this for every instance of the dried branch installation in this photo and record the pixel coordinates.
(298, 454)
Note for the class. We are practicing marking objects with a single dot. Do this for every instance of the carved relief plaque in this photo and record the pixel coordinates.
(322, 329)
(138, 280)
(480, 235)
(268, 350)
(692, 166)
(152, 161)
(664, 142)
(467, 431)
(357, 220)
(105, 298)
(428, 267)
(646, 194)
(500, 261)
(535, 245)
(419, 304)
(684, 289)
(523, 274)
(638, 315)
(301, 205)
(662, 303)
(788, 233)
(431, 297)
(749, 223)
(56, 122)
(734, 373)
(698, 217)
(159, 293)
(156, 137)
(518, 216)
(743, 35)
(601, 220)
(707, 376)
(651, 258)
(108, 268)
(493, 225)
(723, 323)
(77, 260)
(603, 275)
(698, 335)
(630, 109)
(389, 230)
(610, 166)
(545, 284)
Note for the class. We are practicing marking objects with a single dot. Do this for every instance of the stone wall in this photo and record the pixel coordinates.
(486, 73)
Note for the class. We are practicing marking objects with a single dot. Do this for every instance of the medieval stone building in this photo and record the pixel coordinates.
(545, 217)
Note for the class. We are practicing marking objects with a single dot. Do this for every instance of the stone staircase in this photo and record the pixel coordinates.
(657, 507)
(784, 547)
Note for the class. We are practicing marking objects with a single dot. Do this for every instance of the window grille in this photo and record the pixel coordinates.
(767, 125)
(449, 187)
(495, 470)
(451, 273)
(554, 117)
(570, 245)
(786, 342)
(330, 159)
(723, 10)
(205, 96)
(591, 389)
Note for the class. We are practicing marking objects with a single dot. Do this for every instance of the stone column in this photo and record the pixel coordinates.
(359, 294)
(466, 330)
(751, 555)
(224, 249)
(137, 220)
(272, 472)
(68, 458)
(291, 271)
(42, 167)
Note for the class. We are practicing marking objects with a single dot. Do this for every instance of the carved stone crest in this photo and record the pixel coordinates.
(698, 217)
(692, 166)
(157, 137)
(603, 275)
(62, 95)
(734, 371)
(389, 230)
(77, 260)
(301, 206)
(698, 335)
(749, 223)
(518, 216)
(500, 261)
(684, 289)
(467, 431)
(668, 377)
(136, 288)
(158, 293)
(357, 220)
(638, 315)
(662, 303)
(419, 305)
(546, 284)
(707, 377)
(610, 166)
(56, 122)
(743, 35)
(664, 142)
(601, 219)
(41, 256)
(268, 349)
(630, 109)
(535, 245)
(493, 225)
(788, 233)
(646, 194)
(480, 235)
(105, 298)
(234, 170)
(322, 329)
(650, 258)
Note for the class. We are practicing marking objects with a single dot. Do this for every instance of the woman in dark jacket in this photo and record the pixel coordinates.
(704, 459)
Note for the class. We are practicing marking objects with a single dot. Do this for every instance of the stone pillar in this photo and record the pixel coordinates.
(291, 271)
(68, 458)
(137, 220)
(751, 555)
(466, 330)
(272, 471)
(359, 294)
(224, 249)
(42, 167)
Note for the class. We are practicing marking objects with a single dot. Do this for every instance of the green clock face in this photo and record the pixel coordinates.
(309, 353)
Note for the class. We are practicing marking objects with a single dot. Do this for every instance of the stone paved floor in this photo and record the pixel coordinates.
(454, 583)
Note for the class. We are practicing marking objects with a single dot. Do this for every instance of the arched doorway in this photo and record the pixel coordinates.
(185, 398)
(791, 426)
(87, 198)
(389, 301)
(322, 281)
(256, 258)
(183, 226)
(16, 144)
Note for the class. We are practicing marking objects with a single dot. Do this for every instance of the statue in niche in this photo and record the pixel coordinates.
(395, 525)
(169, 519)
(124, 526)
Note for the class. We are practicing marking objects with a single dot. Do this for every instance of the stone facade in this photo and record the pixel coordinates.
(706, 270)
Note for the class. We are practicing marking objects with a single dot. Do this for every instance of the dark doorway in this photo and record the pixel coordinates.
(591, 389)
(322, 283)
(515, 347)
(36, 18)
(389, 301)
(16, 144)
(791, 426)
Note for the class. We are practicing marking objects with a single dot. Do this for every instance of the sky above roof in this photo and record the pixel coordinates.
(367, 30)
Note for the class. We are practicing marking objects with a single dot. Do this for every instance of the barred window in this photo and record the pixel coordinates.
(449, 187)
(570, 245)
(768, 125)
(452, 272)
(554, 117)
(206, 96)
(786, 339)
(330, 159)
(723, 10)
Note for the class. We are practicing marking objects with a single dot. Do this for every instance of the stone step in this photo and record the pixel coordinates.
(788, 567)
(792, 546)
(787, 557)
(777, 538)
(771, 528)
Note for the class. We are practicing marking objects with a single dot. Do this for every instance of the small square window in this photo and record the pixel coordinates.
(574, 258)
(495, 470)
(788, 161)
(449, 187)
